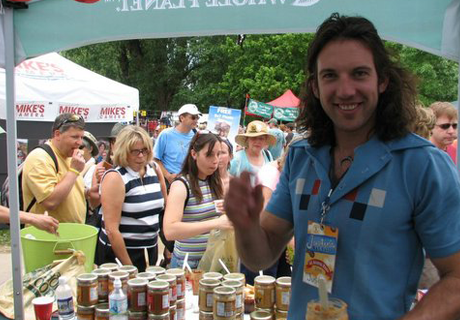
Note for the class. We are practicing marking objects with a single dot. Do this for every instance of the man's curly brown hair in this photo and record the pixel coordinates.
(396, 106)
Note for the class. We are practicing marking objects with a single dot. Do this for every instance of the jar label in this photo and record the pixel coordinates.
(141, 302)
(93, 293)
(174, 293)
(165, 302)
(285, 296)
(239, 301)
(209, 299)
(103, 288)
(65, 306)
(180, 314)
(180, 291)
(224, 309)
(264, 297)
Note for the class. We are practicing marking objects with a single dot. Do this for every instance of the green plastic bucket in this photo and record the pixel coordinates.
(40, 248)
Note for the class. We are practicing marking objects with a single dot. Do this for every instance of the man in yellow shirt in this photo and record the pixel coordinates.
(60, 192)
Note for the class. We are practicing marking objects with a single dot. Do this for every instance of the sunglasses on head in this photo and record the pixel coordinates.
(445, 126)
(72, 118)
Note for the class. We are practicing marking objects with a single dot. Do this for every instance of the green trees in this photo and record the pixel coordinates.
(437, 77)
(219, 71)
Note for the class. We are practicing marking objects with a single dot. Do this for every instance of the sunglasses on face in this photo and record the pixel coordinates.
(445, 126)
(136, 152)
(194, 117)
(72, 118)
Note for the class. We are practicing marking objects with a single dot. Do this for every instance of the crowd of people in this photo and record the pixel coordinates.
(353, 166)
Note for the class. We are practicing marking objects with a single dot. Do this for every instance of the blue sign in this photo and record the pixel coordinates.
(224, 122)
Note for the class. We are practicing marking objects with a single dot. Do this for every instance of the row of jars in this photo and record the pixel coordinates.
(101, 312)
(221, 297)
(272, 296)
(156, 293)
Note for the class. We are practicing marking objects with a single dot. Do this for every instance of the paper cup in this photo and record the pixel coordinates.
(195, 278)
(219, 204)
(43, 307)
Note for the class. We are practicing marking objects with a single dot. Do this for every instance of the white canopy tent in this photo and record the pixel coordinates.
(50, 84)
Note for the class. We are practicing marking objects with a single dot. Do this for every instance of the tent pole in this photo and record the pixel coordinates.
(12, 163)
(458, 116)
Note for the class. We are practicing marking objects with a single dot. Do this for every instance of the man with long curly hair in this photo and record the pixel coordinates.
(363, 196)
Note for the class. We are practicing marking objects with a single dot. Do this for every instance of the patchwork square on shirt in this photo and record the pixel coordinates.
(358, 210)
(305, 198)
(377, 198)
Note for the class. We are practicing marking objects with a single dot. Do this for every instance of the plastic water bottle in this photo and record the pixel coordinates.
(64, 300)
(118, 302)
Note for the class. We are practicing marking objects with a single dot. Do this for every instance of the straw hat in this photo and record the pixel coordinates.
(92, 141)
(255, 129)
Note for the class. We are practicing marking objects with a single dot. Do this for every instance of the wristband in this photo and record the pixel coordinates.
(74, 171)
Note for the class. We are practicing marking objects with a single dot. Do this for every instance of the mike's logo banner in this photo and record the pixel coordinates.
(48, 111)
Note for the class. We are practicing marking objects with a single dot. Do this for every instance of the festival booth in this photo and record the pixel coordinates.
(49, 85)
(42, 26)
(284, 108)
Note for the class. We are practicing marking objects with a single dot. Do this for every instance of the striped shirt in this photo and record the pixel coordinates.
(143, 203)
(195, 212)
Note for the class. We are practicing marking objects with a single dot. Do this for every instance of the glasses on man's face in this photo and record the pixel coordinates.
(445, 126)
(137, 152)
(193, 117)
(72, 118)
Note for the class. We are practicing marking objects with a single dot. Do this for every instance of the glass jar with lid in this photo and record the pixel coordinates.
(264, 292)
(206, 293)
(137, 295)
(158, 297)
(224, 303)
(87, 289)
(172, 287)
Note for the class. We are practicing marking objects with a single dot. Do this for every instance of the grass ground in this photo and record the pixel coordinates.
(5, 240)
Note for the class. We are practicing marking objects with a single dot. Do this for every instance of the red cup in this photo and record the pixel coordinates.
(43, 307)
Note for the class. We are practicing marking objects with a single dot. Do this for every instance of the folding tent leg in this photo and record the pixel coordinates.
(12, 163)
(458, 117)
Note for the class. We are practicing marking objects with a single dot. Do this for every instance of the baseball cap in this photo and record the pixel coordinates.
(116, 129)
(190, 109)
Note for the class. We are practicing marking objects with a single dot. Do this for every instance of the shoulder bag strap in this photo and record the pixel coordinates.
(50, 152)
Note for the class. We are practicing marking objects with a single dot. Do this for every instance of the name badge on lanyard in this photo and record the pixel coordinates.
(321, 253)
